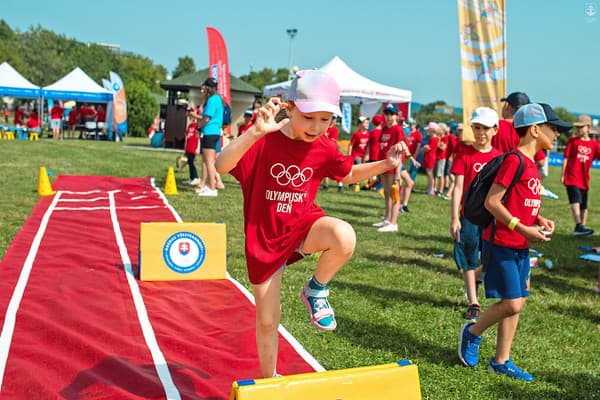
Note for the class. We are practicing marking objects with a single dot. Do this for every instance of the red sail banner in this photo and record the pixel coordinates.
(218, 62)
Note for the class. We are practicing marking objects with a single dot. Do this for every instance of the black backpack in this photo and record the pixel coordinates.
(474, 203)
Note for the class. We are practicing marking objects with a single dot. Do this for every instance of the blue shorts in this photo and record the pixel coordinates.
(506, 272)
(466, 253)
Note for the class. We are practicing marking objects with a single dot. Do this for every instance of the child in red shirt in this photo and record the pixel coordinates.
(518, 223)
(580, 153)
(192, 147)
(279, 166)
(429, 155)
(247, 123)
(466, 235)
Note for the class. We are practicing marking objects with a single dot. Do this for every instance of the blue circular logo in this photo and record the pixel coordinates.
(184, 252)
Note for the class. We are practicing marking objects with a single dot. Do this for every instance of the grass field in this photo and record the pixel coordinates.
(394, 300)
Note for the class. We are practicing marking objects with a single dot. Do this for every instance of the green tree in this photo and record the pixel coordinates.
(264, 77)
(141, 108)
(185, 65)
(437, 111)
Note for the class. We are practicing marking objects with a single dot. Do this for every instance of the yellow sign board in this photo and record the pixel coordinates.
(399, 380)
(182, 251)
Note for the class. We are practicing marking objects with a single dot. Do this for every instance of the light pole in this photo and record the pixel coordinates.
(292, 34)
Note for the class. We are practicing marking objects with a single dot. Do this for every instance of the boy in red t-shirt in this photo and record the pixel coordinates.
(414, 140)
(280, 166)
(359, 141)
(467, 236)
(56, 120)
(192, 147)
(580, 153)
(518, 223)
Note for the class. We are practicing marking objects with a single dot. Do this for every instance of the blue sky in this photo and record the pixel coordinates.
(553, 46)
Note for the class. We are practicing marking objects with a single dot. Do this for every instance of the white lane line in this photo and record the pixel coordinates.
(106, 208)
(157, 356)
(8, 328)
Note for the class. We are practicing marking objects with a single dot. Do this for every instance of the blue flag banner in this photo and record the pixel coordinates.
(346, 117)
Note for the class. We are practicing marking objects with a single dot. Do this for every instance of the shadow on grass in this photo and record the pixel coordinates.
(413, 261)
(569, 387)
(580, 312)
(392, 296)
(394, 339)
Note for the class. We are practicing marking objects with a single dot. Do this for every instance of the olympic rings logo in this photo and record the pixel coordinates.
(291, 175)
(477, 166)
(534, 185)
(586, 151)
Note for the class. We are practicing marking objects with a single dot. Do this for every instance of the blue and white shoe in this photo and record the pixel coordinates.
(320, 311)
(509, 369)
(468, 346)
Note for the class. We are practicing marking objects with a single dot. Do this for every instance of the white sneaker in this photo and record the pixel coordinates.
(380, 224)
(194, 182)
(206, 191)
(389, 228)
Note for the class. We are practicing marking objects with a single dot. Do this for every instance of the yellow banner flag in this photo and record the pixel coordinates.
(483, 56)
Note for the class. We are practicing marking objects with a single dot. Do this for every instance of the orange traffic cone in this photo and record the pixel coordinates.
(170, 184)
(44, 186)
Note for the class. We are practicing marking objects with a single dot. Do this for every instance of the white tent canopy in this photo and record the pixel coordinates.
(77, 85)
(13, 84)
(354, 88)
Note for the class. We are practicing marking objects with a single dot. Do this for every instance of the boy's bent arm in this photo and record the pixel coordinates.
(493, 203)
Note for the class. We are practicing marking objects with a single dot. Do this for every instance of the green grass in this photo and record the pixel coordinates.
(394, 300)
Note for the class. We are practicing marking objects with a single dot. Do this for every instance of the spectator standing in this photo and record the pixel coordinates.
(210, 123)
(414, 140)
(192, 147)
(73, 120)
(580, 153)
(359, 141)
(19, 116)
(56, 120)
(247, 123)
(5, 113)
(333, 133)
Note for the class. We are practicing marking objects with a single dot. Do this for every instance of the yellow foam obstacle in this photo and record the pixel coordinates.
(44, 186)
(399, 380)
(172, 251)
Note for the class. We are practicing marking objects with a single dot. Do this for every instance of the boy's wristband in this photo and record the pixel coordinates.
(513, 223)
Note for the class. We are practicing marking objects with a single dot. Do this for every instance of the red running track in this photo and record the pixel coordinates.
(77, 324)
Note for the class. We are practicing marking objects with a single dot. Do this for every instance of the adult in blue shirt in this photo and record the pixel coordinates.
(210, 124)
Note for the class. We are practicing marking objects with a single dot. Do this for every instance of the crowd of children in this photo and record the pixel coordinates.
(279, 232)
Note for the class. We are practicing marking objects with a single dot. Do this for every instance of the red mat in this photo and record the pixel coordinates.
(77, 324)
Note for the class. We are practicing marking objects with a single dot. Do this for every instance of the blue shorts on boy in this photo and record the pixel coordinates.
(506, 272)
(466, 252)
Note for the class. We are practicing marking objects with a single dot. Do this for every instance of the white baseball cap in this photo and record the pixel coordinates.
(484, 116)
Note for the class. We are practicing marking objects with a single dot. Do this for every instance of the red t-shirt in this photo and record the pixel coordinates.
(468, 162)
(390, 135)
(359, 142)
(280, 178)
(429, 156)
(192, 140)
(244, 128)
(56, 112)
(506, 139)
(18, 117)
(413, 140)
(580, 154)
(374, 144)
(523, 202)
(442, 154)
(73, 117)
(101, 116)
(333, 133)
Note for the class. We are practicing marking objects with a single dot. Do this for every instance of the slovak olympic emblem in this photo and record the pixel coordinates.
(184, 252)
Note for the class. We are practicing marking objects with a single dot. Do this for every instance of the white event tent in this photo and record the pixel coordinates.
(13, 84)
(354, 88)
(77, 85)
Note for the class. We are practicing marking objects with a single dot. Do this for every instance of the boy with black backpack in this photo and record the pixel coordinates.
(517, 222)
(467, 163)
